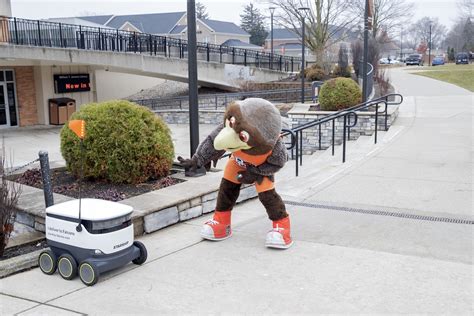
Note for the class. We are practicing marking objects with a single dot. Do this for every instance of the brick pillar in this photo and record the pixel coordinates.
(26, 93)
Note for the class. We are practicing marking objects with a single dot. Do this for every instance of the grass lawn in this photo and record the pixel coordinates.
(460, 75)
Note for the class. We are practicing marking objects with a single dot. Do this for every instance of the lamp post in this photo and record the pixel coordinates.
(192, 77)
(272, 10)
(401, 43)
(303, 12)
(429, 47)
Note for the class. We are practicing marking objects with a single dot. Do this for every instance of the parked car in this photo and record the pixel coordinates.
(387, 61)
(414, 59)
(462, 58)
(437, 61)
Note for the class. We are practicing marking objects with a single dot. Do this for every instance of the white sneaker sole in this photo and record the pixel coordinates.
(208, 237)
(279, 246)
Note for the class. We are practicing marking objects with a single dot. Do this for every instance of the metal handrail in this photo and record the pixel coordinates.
(297, 132)
(220, 100)
(19, 31)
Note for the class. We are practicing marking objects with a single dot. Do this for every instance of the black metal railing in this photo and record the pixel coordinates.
(220, 100)
(349, 117)
(61, 35)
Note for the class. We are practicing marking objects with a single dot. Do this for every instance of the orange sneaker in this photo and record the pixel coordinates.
(218, 228)
(279, 237)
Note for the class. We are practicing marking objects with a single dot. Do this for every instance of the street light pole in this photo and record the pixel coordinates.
(303, 12)
(272, 9)
(192, 77)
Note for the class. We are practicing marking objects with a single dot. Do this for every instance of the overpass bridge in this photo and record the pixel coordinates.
(50, 43)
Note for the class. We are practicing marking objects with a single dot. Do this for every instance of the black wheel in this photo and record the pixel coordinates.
(47, 262)
(67, 266)
(88, 273)
(143, 253)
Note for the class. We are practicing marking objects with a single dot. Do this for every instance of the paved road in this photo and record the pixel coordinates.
(342, 262)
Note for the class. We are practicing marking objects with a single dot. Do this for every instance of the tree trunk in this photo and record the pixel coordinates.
(319, 53)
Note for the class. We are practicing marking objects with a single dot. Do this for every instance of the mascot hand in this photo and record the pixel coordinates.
(249, 178)
(188, 164)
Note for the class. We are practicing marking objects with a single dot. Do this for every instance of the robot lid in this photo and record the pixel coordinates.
(91, 209)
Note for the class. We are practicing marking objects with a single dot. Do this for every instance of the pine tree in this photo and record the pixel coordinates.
(252, 21)
(201, 11)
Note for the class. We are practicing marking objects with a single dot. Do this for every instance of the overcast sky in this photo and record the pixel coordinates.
(225, 10)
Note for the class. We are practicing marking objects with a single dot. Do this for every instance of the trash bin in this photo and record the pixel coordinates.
(60, 110)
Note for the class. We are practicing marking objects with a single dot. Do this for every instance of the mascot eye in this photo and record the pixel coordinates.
(244, 136)
(232, 122)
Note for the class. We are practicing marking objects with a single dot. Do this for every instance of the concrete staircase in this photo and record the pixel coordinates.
(322, 166)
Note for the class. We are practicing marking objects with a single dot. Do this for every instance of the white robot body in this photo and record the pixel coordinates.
(99, 240)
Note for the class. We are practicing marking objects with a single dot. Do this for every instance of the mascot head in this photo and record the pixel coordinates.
(252, 125)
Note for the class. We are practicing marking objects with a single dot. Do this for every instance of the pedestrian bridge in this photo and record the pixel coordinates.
(47, 43)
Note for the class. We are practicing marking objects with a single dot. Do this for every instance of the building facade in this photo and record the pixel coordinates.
(30, 88)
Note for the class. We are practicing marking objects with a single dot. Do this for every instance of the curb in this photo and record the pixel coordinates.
(19, 263)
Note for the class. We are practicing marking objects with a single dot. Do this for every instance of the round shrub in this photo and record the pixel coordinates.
(342, 71)
(339, 93)
(314, 73)
(124, 143)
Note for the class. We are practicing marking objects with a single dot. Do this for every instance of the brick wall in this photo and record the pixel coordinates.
(25, 90)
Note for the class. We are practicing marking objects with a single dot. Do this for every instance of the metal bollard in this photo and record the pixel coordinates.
(45, 175)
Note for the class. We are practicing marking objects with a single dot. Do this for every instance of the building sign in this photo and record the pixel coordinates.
(71, 83)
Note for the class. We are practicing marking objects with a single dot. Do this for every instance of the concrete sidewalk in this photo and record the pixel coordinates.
(345, 260)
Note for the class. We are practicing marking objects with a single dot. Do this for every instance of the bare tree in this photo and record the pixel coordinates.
(421, 31)
(388, 15)
(466, 9)
(326, 23)
(9, 195)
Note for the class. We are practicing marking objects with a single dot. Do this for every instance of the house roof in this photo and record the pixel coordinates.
(161, 23)
(154, 23)
(239, 43)
(98, 19)
(281, 34)
(224, 27)
(178, 29)
(76, 21)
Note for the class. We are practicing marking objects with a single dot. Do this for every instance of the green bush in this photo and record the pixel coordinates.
(124, 143)
(339, 93)
(342, 71)
(314, 74)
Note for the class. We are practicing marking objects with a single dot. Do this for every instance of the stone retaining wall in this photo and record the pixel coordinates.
(182, 116)
(301, 114)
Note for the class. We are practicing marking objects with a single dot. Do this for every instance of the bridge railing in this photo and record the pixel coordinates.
(221, 100)
(53, 34)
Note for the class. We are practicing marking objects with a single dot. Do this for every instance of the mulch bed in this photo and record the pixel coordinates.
(65, 183)
(23, 249)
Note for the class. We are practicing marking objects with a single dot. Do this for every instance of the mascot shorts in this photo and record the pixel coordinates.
(232, 169)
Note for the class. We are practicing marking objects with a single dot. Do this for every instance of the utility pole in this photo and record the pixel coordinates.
(192, 78)
(401, 43)
(303, 12)
(429, 46)
(366, 51)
